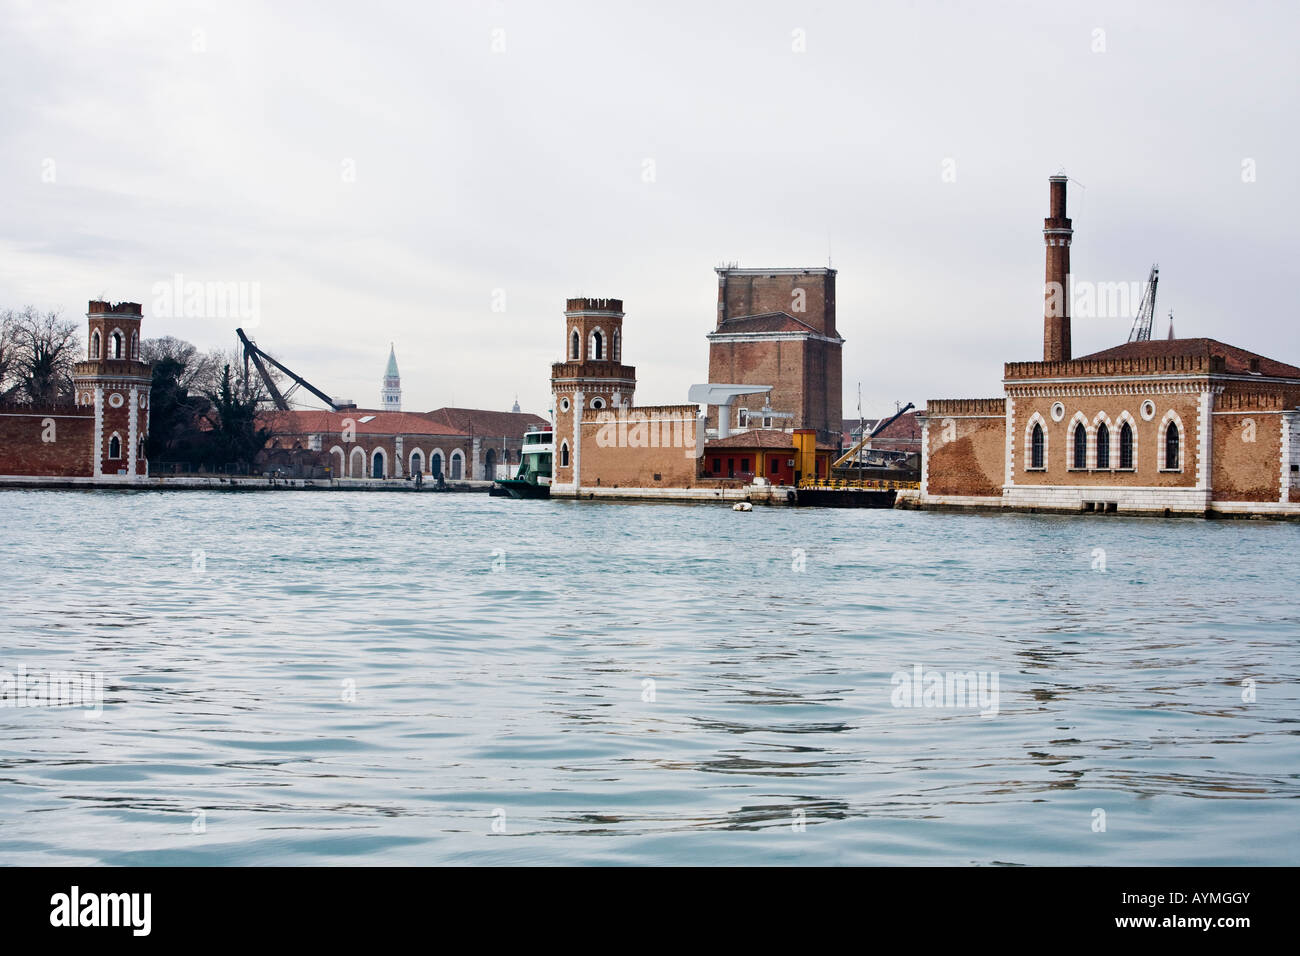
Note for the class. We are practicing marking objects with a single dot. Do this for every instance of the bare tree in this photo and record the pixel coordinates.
(196, 371)
(44, 349)
(8, 350)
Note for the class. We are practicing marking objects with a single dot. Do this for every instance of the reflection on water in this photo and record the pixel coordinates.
(346, 678)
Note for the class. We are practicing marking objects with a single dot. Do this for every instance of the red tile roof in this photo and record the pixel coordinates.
(759, 438)
(367, 422)
(764, 322)
(1237, 361)
(487, 423)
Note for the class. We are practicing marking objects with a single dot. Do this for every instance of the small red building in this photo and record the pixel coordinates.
(760, 453)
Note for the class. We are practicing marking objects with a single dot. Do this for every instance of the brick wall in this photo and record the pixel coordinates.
(23, 452)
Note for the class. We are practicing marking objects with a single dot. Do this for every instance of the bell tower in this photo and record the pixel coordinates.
(390, 395)
(115, 383)
(592, 379)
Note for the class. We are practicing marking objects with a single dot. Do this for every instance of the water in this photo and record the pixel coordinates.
(501, 713)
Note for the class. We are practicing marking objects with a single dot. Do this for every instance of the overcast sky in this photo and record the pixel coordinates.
(380, 170)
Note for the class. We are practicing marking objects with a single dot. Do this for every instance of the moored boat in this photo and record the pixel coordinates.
(533, 479)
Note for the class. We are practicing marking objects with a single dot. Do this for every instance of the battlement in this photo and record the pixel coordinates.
(572, 306)
(98, 307)
(1089, 368)
(959, 407)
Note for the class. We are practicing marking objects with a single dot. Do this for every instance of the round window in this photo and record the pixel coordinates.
(1058, 412)
(1148, 410)
(564, 404)
(597, 403)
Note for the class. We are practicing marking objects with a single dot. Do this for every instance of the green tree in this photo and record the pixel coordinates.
(236, 435)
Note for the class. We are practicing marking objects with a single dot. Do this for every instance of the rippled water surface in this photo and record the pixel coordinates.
(499, 652)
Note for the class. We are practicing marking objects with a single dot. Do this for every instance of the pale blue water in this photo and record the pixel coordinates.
(521, 689)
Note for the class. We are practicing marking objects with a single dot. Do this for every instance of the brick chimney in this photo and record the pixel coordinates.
(1056, 291)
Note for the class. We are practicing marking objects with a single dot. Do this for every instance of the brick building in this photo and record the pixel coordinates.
(777, 327)
(99, 436)
(361, 443)
(1171, 426)
(603, 441)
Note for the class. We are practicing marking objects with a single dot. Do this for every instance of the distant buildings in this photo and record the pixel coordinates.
(1168, 426)
(390, 396)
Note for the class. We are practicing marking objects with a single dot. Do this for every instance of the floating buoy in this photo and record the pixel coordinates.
(742, 506)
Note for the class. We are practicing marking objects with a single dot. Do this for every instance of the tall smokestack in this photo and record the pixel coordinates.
(1056, 292)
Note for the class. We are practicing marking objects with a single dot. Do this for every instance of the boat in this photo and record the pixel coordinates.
(533, 479)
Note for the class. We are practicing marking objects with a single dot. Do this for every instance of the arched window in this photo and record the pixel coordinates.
(94, 345)
(490, 464)
(135, 345)
(1171, 446)
(1103, 446)
(1036, 456)
(377, 464)
(564, 454)
(115, 347)
(435, 464)
(575, 346)
(115, 447)
(597, 346)
(456, 459)
(1080, 446)
(1126, 445)
(417, 462)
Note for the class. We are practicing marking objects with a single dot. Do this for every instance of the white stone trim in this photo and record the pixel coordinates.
(1161, 439)
(1037, 419)
(773, 337)
(442, 461)
(343, 462)
(1009, 475)
(1094, 439)
(98, 438)
(1204, 443)
(132, 429)
(352, 457)
(591, 345)
(1079, 419)
(410, 461)
(457, 454)
(1125, 417)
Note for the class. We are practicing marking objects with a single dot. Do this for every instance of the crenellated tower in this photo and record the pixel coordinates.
(115, 383)
(591, 379)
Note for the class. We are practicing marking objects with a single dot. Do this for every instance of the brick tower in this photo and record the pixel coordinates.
(592, 378)
(115, 383)
(1056, 292)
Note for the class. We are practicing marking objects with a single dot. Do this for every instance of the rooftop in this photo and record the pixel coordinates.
(1236, 361)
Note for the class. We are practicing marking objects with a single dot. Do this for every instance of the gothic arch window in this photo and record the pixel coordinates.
(417, 462)
(1103, 446)
(336, 468)
(564, 454)
(1171, 445)
(1036, 443)
(457, 464)
(1126, 445)
(115, 345)
(596, 350)
(94, 345)
(435, 463)
(575, 346)
(115, 446)
(490, 464)
(1079, 451)
(378, 464)
(135, 345)
(357, 463)
(1169, 442)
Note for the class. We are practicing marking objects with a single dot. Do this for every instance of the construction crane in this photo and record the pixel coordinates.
(1147, 310)
(848, 455)
(256, 355)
